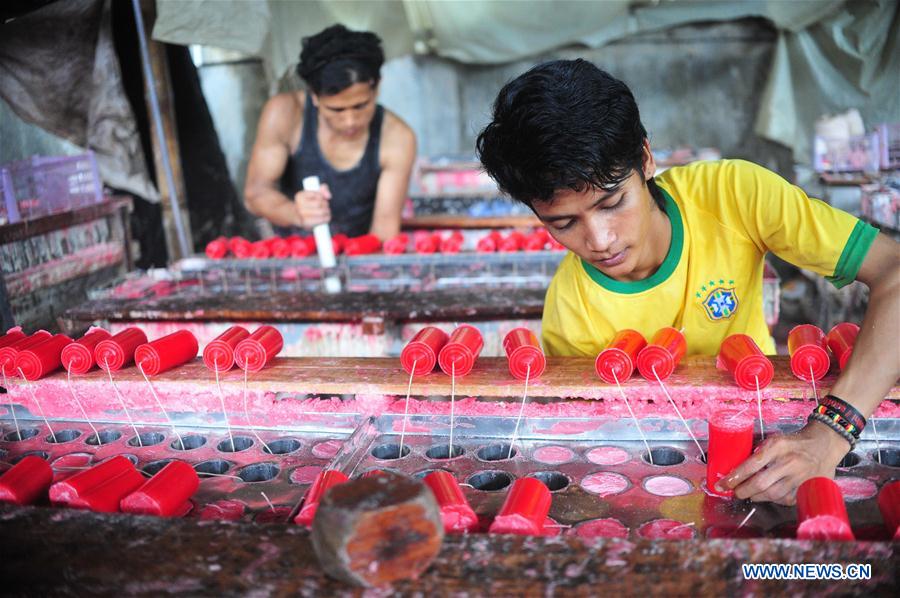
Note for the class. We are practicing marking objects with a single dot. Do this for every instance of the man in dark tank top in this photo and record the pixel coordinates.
(362, 153)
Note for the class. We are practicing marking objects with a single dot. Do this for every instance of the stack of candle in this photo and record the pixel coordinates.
(257, 350)
(43, 358)
(423, 350)
(456, 513)
(78, 357)
(660, 357)
(523, 351)
(9, 352)
(100, 488)
(616, 362)
(166, 494)
(525, 510)
(219, 353)
(462, 349)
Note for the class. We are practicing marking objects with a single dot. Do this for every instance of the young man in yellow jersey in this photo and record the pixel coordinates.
(684, 249)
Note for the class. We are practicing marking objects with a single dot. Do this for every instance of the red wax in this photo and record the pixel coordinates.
(167, 352)
(280, 248)
(338, 242)
(13, 335)
(840, 340)
(299, 247)
(616, 361)
(217, 248)
(424, 242)
(362, 245)
(241, 248)
(257, 350)
(523, 350)
(889, 505)
(325, 480)
(219, 353)
(486, 245)
(117, 351)
(457, 515)
(740, 355)
(260, 251)
(78, 357)
(396, 245)
(423, 350)
(809, 351)
(556, 245)
(459, 354)
(453, 243)
(43, 358)
(535, 242)
(9, 353)
(662, 354)
(64, 492)
(512, 242)
(525, 509)
(821, 513)
(106, 497)
(26, 481)
(165, 494)
(730, 443)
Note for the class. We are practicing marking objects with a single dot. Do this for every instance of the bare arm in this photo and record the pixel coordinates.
(398, 154)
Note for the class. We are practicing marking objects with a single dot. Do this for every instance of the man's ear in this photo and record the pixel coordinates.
(649, 162)
(314, 98)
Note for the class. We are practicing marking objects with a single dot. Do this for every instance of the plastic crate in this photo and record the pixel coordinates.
(40, 186)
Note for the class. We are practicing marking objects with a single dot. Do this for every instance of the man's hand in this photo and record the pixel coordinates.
(781, 463)
(312, 207)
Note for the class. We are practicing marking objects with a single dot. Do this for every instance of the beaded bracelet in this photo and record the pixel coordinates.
(850, 438)
(845, 409)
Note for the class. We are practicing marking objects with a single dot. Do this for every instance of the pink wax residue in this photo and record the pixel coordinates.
(327, 449)
(574, 427)
(223, 510)
(600, 528)
(667, 485)
(666, 529)
(605, 483)
(824, 527)
(305, 474)
(69, 465)
(607, 455)
(854, 488)
(553, 455)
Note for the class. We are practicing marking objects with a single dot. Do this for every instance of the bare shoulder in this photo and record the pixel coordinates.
(398, 141)
(280, 115)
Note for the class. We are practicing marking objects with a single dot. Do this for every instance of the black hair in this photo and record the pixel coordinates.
(564, 124)
(336, 58)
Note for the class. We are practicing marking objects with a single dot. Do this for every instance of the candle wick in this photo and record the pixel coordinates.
(159, 403)
(689, 524)
(452, 402)
(271, 506)
(521, 411)
(877, 443)
(812, 378)
(746, 519)
(637, 424)
(40, 408)
(762, 431)
(247, 412)
(80, 406)
(674, 406)
(12, 408)
(122, 401)
(222, 402)
(406, 409)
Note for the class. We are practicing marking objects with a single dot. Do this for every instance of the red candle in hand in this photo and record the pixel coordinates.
(523, 350)
(26, 481)
(821, 512)
(167, 352)
(809, 352)
(78, 357)
(889, 505)
(325, 480)
(456, 513)
(9, 353)
(362, 245)
(730, 443)
(106, 497)
(423, 350)
(217, 248)
(616, 361)
(840, 340)
(665, 350)
(64, 492)
(42, 359)
(13, 335)
(462, 349)
(165, 494)
(219, 353)
(740, 355)
(257, 350)
(396, 245)
(525, 509)
(117, 351)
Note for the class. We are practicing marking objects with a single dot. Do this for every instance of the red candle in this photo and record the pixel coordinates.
(616, 361)
(456, 513)
(217, 248)
(260, 251)
(362, 245)
(117, 351)
(665, 350)
(78, 357)
(9, 353)
(424, 242)
(299, 247)
(453, 243)
(325, 480)
(280, 248)
(821, 512)
(740, 355)
(106, 497)
(338, 243)
(241, 248)
(809, 352)
(523, 351)
(43, 358)
(512, 242)
(26, 481)
(525, 509)
(167, 352)
(257, 350)
(730, 443)
(165, 494)
(64, 492)
(219, 353)
(396, 245)
(486, 245)
(459, 354)
(535, 242)
(13, 335)
(889, 505)
(840, 340)
(423, 350)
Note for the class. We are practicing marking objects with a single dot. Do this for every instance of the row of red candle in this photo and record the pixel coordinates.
(288, 247)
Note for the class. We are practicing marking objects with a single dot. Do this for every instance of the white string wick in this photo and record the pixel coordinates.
(159, 403)
(406, 408)
(521, 411)
(762, 432)
(222, 402)
(12, 408)
(636, 422)
(122, 402)
(80, 406)
(30, 389)
(247, 414)
(674, 406)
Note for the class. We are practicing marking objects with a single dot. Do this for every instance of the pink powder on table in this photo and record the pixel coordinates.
(854, 488)
(600, 528)
(223, 510)
(607, 455)
(305, 474)
(327, 449)
(553, 455)
(605, 483)
(667, 485)
(666, 529)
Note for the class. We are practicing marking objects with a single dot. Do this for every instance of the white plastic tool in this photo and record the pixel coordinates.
(324, 246)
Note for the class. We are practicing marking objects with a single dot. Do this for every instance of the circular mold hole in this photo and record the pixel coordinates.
(106, 436)
(147, 439)
(605, 483)
(849, 460)
(241, 443)
(154, 467)
(22, 434)
(553, 455)
(42, 454)
(258, 472)
(188, 443)
(212, 467)
(553, 480)
(607, 455)
(889, 457)
(63, 436)
(282, 446)
(667, 485)
(421, 474)
(490, 481)
(388, 452)
(664, 456)
(442, 452)
(496, 452)
(305, 474)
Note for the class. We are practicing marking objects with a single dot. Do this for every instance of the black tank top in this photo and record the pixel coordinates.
(352, 190)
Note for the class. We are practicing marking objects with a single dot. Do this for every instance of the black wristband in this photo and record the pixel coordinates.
(846, 410)
(851, 440)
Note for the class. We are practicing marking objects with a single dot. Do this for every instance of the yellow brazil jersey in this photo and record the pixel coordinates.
(725, 216)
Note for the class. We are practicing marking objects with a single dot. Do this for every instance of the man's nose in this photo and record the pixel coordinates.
(599, 237)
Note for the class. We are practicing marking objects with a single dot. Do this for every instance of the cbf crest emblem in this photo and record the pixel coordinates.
(719, 301)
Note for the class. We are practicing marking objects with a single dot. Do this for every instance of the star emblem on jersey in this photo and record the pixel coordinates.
(720, 303)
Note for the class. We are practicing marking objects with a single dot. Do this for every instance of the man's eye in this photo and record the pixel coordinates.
(565, 226)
